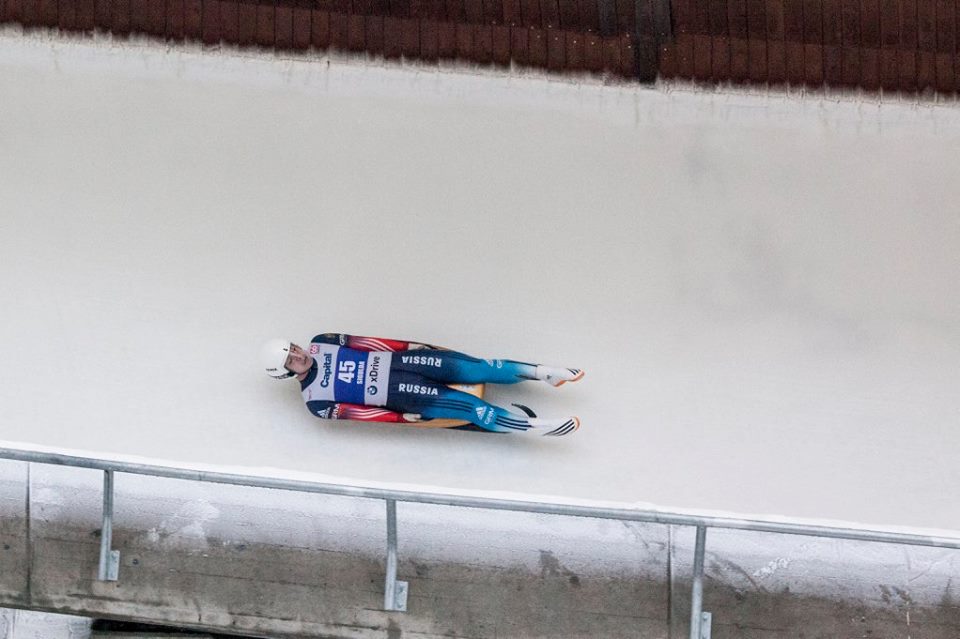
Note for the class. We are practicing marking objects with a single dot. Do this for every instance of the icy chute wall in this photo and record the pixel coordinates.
(762, 289)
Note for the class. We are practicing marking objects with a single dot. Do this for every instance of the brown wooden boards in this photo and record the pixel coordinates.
(891, 45)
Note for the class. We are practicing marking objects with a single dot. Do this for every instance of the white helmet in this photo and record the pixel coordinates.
(273, 356)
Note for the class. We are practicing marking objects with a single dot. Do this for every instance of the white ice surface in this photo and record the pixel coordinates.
(762, 289)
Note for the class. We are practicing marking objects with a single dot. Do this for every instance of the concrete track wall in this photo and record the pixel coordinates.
(289, 565)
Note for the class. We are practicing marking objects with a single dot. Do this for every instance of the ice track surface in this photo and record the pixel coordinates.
(762, 289)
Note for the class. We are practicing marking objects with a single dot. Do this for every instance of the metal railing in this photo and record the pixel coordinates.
(395, 592)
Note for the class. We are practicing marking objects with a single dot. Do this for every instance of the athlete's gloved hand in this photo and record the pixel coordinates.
(411, 417)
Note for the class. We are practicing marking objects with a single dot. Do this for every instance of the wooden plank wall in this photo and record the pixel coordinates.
(893, 45)
(890, 45)
(588, 36)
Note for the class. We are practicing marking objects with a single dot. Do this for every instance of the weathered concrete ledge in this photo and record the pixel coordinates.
(280, 564)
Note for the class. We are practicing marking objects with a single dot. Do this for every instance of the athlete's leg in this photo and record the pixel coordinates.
(412, 393)
(452, 367)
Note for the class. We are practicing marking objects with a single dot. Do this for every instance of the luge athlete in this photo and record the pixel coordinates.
(385, 380)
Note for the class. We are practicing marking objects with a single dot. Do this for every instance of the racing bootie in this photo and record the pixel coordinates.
(558, 376)
(553, 427)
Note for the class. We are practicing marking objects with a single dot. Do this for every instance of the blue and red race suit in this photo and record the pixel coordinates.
(385, 380)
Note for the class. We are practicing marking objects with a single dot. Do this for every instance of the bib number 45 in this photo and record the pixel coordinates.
(346, 371)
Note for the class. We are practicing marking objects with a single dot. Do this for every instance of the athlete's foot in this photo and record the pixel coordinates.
(553, 427)
(558, 376)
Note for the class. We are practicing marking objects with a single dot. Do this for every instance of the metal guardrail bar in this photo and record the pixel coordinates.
(106, 530)
(108, 568)
(696, 605)
(465, 501)
(390, 586)
(394, 591)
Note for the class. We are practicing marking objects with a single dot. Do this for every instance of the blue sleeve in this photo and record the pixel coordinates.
(338, 339)
(321, 408)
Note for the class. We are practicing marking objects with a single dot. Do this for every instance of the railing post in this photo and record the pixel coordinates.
(700, 621)
(394, 592)
(109, 569)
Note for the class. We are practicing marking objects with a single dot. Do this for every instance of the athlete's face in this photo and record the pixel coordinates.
(299, 361)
